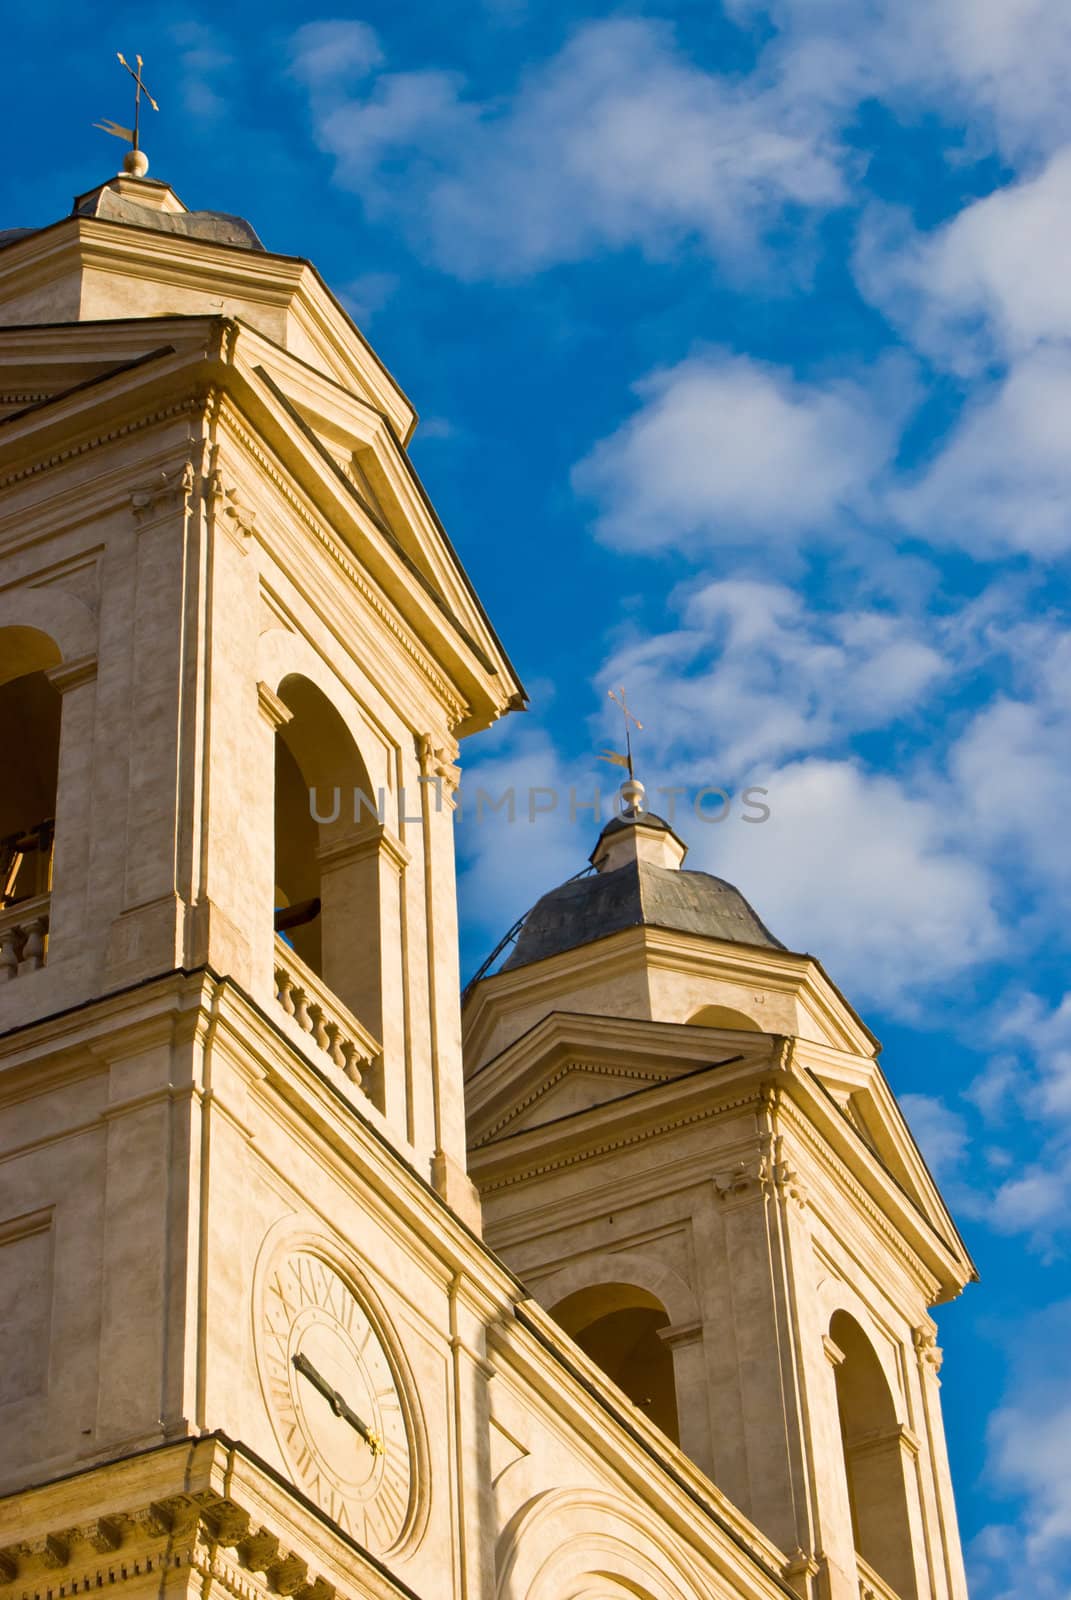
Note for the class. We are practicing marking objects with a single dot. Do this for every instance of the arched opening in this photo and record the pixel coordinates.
(326, 875)
(723, 1017)
(30, 729)
(873, 1458)
(617, 1325)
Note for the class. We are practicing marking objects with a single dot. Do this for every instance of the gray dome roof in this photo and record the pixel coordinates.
(636, 894)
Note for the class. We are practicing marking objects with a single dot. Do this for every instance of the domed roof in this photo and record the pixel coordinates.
(141, 202)
(638, 892)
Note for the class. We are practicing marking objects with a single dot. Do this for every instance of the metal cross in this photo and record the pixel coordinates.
(612, 755)
(116, 128)
(338, 1405)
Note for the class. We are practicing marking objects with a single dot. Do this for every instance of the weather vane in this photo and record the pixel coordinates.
(135, 161)
(631, 721)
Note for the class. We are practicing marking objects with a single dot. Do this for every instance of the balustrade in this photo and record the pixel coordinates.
(322, 1016)
(23, 937)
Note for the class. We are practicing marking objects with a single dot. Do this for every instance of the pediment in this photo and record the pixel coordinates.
(572, 1087)
(335, 443)
(569, 1065)
(858, 1088)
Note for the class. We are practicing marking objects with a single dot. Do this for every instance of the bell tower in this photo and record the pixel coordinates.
(685, 1145)
(237, 654)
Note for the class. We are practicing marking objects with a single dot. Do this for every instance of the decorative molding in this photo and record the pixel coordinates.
(72, 674)
(239, 520)
(929, 1353)
(438, 764)
(176, 485)
(456, 709)
(834, 1354)
(274, 711)
(148, 419)
(830, 1162)
(377, 841)
(593, 1068)
(681, 1334)
(765, 1172)
(204, 1532)
(589, 1152)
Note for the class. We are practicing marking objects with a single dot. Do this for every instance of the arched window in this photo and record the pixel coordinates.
(617, 1325)
(326, 870)
(723, 1017)
(30, 730)
(873, 1458)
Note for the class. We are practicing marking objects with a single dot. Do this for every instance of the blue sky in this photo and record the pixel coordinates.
(742, 339)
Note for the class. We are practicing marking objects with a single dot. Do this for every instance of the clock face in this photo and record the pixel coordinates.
(335, 1401)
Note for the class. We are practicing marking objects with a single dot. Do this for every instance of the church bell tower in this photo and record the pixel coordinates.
(685, 1145)
(237, 653)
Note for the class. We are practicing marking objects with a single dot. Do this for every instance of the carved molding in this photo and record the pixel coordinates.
(834, 1354)
(206, 1532)
(588, 1152)
(165, 487)
(438, 763)
(929, 1353)
(237, 517)
(147, 420)
(274, 711)
(765, 1172)
(72, 674)
(457, 710)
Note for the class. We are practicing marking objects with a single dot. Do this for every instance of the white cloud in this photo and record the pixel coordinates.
(617, 140)
(869, 877)
(1002, 66)
(326, 53)
(1029, 1455)
(751, 674)
(1002, 482)
(991, 283)
(725, 449)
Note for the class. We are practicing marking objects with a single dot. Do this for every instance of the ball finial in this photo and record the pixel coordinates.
(136, 163)
(633, 795)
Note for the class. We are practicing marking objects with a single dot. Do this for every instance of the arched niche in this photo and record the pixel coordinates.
(327, 899)
(723, 1017)
(590, 1544)
(30, 708)
(874, 1460)
(618, 1326)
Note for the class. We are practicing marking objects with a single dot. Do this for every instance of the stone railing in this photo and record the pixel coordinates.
(871, 1586)
(23, 937)
(309, 1003)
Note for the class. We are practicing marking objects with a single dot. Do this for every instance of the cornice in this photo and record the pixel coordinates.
(112, 1529)
(93, 441)
(588, 1151)
(455, 708)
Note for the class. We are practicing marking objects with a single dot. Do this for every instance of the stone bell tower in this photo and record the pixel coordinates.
(237, 653)
(685, 1145)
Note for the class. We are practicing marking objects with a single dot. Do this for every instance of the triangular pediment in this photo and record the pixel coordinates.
(325, 443)
(573, 1087)
(856, 1087)
(570, 1065)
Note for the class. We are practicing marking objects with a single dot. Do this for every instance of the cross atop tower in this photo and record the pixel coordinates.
(135, 161)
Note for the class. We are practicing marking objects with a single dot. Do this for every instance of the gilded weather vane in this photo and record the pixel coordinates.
(614, 756)
(135, 161)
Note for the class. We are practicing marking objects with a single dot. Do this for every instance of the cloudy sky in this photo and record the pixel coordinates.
(742, 339)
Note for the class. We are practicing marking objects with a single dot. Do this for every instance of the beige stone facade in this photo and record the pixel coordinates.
(637, 1303)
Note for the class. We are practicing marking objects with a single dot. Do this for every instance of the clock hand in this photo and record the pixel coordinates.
(337, 1403)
